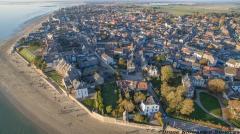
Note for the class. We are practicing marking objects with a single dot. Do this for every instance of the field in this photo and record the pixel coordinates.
(27, 55)
(110, 94)
(33, 48)
(211, 104)
(198, 8)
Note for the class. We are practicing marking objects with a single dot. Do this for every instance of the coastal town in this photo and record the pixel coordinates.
(140, 65)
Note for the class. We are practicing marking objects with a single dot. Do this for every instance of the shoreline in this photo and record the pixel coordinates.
(5, 45)
(37, 101)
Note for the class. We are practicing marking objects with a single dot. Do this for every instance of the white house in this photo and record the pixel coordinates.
(81, 93)
(107, 59)
(152, 71)
(130, 66)
(149, 107)
(80, 89)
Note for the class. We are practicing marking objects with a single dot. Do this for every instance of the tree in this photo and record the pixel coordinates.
(122, 63)
(158, 117)
(166, 73)
(99, 101)
(109, 109)
(159, 58)
(127, 105)
(203, 61)
(187, 107)
(138, 118)
(217, 85)
(138, 97)
(165, 89)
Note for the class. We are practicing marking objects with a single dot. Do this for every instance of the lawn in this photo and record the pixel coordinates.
(27, 55)
(89, 103)
(110, 94)
(55, 77)
(210, 103)
(199, 114)
(33, 48)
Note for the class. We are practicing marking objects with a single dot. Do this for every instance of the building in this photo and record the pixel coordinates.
(107, 59)
(233, 63)
(233, 91)
(152, 71)
(80, 89)
(130, 66)
(81, 93)
(230, 72)
(186, 81)
(62, 67)
(98, 79)
(149, 107)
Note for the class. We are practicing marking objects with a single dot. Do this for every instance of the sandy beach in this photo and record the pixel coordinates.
(54, 113)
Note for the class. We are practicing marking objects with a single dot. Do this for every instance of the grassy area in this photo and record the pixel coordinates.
(89, 102)
(33, 48)
(27, 55)
(199, 114)
(110, 94)
(55, 77)
(191, 9)
(210, 103)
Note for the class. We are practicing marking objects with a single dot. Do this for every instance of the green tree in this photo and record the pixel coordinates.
(109, 109)
(203, 62)
(127, 105)
(138, 97)
(217, 85)
(138, 118)
(159, 58)
(99, 101)
(166, 73)
(187, 107)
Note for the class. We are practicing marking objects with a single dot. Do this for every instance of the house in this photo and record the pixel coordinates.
(81, 93)
(62, 67)
(233, 63)
(130, 66)
(149, 106)
(230, 72)
(198, 81)
(233, 91)
(107, 59)
(152, 71)
(98, 79)
(186, 81)
(118, 51)
(80, 89)
(212, 60)
(143, 86)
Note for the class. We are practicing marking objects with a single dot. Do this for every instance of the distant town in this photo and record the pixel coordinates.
(141, 65)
